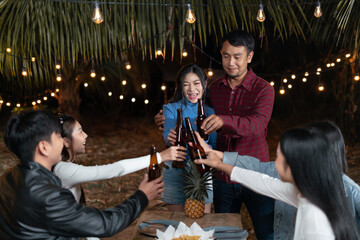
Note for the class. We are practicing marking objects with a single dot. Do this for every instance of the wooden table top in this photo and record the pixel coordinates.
(208, 220)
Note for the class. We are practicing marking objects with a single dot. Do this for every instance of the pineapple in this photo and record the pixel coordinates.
(196, 186)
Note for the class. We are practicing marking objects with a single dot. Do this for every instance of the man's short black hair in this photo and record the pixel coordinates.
(240, 38)
(25, 130)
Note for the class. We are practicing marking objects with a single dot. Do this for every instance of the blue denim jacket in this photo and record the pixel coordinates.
(285, 215)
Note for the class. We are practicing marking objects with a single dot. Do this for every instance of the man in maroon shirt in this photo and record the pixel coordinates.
(243, 105)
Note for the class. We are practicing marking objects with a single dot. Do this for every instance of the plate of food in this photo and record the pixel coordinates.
(228, 232)
(149, 227)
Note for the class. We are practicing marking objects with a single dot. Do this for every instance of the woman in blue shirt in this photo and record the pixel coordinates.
(191, 85)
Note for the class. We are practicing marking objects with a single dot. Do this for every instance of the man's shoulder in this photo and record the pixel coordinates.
(216, 82)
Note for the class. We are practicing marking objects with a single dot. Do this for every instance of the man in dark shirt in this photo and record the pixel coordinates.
(33, 205)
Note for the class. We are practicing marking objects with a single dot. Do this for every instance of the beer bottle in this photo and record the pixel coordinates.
(200, 118)
(195, 149)
(154, 170)
(180, 137)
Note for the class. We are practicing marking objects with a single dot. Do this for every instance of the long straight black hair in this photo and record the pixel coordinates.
(189, 68)
(318, 177)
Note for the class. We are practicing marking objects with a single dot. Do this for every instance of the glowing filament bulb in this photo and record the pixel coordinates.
(163, 87)
(58, 77)
(159, 51)
(57, 66)
(127, 65)
(57, 90)
(123, 82)
(306, 74)
(321, 87)
(357, 77)
(184, 53)
(318, 12)
(146, 101)
(293, 76)
(318, 69)
(261, 14)
(52, 94)
(272, 83)
(282, 90)
(347, 55)
(133, 99)
(210, 72)
(18, 105)
(121, 97)
(289, 86)
(86, 84)
(92, 73)
(110, 94)
(8, 104)
(103, 78)
(338, 60)
(33, 103)
(24, 72)
(45, 98)
(284, 80)
(304, 79)
(97, 16)
(38, 101)
(33, 59)
(328, 65)
(8, 50)
(190, 16)
(143, 86)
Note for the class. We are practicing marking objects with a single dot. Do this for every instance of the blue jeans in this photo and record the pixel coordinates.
(228, 198)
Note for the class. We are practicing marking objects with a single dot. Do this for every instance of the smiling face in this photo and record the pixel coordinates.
(282, 167)
(235, 60)
(78, 139)
(192, 88)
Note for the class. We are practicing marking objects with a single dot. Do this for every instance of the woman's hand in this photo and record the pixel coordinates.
(213, 160)
(173, 153)
(159, 120)
(172, 136)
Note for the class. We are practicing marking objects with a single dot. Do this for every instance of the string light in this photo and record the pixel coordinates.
(210, 72)
(190, 16)
(57, 90)
(159, 51)
(357, 77)
(18, 105)
(317, 73)
(321, 87)
(103, 78)
(163, 87)
(146, 101)
(97, 16)
(1, 101)
(123, 82)
(261, 14)
(285, 80)
(45, 98)
(38, 101)
(318, 12)
(57, 66)
(33, 59)
(127, 65)
(332, 64)
(318, 69)
(338, 60)
(86, 84)
(328, 65)
(58, 77)
(304, 79)
(282, 90)
(33, 103)
(92, 73)
(24, 72)
(289, 86)
(133, 99)
(8, 104)
(293, 76)
(52, 94)
(8, 50)
(110, 94)
(121, 97)
(143, 86)
(306, 74)
(272, 83)
(347, 55)
(184, 53)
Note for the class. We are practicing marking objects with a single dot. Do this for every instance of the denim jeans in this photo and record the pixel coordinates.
(228, 198)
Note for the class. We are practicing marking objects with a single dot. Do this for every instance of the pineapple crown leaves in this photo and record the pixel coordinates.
(196, 184)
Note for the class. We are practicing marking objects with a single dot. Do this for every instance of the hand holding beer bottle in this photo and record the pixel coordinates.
(180, 137)
(154, 170)
(199, 120)
(195, 149)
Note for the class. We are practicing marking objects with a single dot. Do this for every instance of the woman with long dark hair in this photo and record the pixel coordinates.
(311, 181)
(191, 85)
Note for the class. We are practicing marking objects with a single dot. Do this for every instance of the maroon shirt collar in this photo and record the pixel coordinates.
(246, 83)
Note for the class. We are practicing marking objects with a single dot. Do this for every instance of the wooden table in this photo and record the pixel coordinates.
(208, 220)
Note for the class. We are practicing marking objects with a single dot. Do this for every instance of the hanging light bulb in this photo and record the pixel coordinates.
(127, 65)
(184, 53)
(38, 101)
(33, 59)
(290, 86)
(143, 86)
(163, 87)
(103, 78)
(110, 94)
(347, 55)
(8, 104)
(57, 90)
(293, 76)
(261, 14)
(133, 99)
(123, 82)
(52, 94)
(306, 74)
(86, 84)
(304, 79)
(190, 16)
(159, 51)
(121, 97)
(58, 77)
(24, 72)
(57, 66)
(92, 73)
(357, 77)
(8, 50)
(146, 101)
(318, 12)
(18, 105)
(45, 98)
(338, 59)
(282, 90)
(272, 83)
(321, 87)
(210, 72)
(284, 80)
(97, 16)
(328, 65)
(33, 103)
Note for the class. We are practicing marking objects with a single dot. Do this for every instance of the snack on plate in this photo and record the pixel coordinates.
(187, 237)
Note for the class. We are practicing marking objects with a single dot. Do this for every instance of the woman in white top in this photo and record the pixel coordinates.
(72, 174)
(311, 181)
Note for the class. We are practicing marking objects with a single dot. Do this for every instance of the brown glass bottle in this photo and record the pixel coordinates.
(195, 149)
(200, 118)
(180, 137)
(154, 170)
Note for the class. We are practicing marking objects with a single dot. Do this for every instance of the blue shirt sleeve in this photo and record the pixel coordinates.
(170, 114)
